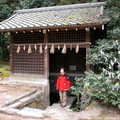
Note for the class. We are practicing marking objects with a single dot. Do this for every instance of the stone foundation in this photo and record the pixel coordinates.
(38, 81)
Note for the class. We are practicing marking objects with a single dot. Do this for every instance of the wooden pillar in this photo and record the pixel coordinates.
(87, 48)
(46, 55)
(11, 53)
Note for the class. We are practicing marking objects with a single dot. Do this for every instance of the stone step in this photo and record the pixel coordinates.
(69, 103)
(31, 112)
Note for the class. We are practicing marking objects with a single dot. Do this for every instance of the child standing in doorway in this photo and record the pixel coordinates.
(63, 84)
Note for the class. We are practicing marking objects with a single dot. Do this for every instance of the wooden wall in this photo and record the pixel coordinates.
(36, 63)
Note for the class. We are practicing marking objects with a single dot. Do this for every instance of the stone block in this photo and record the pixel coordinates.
(32, 105)
(18, 98)
(9, 111)
(31, 112)
(15, 105)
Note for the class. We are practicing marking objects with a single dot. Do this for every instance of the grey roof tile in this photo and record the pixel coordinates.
(77, 14)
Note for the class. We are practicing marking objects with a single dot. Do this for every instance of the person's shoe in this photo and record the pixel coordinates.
(63, 106)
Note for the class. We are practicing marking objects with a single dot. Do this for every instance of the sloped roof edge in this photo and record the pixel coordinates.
(95, 4)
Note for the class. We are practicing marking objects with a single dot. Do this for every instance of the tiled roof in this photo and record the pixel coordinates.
(56, 16)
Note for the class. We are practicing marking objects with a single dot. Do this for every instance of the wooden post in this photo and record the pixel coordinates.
(46, 56)
(11, 53)
(87, 48)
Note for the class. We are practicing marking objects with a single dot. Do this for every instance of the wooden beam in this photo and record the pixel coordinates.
(60, 43)
(11, 54)
(46, 56)
(87, 53)
(53, 28)
(88, 36)
(87, 49)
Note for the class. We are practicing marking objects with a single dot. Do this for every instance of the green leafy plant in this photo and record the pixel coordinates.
(106, 85)
(81, 91)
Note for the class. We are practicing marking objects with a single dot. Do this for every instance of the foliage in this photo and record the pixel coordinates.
(106, 56)
(81, 91)
(106, 84)
(77, 90)
(5, 69)
(67, 2)
(5, 11)
(4, 51)
(25, 4)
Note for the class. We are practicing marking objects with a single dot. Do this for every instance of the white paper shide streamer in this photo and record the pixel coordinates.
(52, 50)
(77, 48)
(18, 49)
(64, 50)
(40, 49)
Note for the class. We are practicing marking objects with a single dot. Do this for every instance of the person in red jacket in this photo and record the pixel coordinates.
(62, 85)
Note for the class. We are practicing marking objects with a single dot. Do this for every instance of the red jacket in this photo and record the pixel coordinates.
(62, 83)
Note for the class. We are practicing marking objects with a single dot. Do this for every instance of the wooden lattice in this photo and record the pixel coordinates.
(66, 36)
(33, 63)
(35, 37)
(25, 63)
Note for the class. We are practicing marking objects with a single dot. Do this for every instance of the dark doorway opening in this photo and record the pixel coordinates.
(54, 97)
(71, 61)
(74, 63)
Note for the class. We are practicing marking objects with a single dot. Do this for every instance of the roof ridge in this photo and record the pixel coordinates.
(51, 8)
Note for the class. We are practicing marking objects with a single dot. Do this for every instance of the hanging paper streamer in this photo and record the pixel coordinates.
(24, 47)
(102, 27)
(52, 50)
(71, 47)
(8, 46)
(29, 49)
(40, 49)
(77, 48)
(58, 47)
(35, 47)
(46, 47)
(64, 50)
(18, 49)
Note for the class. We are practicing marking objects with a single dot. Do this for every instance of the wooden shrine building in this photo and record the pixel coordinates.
(44, 39)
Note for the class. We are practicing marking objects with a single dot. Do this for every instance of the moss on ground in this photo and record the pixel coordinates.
(5, 69)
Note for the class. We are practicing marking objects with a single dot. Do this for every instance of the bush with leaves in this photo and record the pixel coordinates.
(5, 12)
(82, 92)
(106, 85)
(106, 56)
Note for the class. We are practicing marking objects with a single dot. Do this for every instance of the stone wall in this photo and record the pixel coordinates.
(39, 82)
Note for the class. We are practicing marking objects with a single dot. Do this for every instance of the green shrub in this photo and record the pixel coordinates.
(106, 85)
(82, 92)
